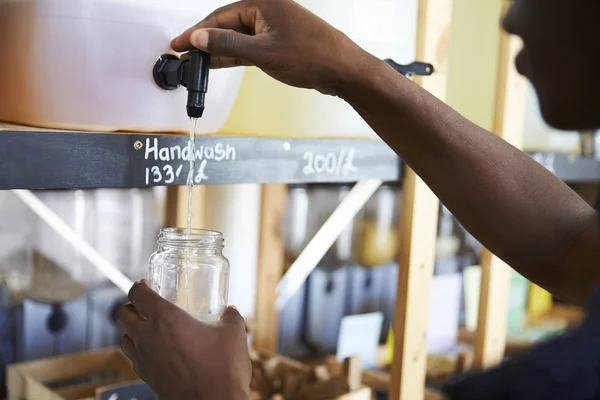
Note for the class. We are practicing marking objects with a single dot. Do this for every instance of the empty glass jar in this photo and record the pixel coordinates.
(189, 269)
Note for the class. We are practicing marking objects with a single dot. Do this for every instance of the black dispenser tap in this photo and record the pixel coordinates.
(170, 72)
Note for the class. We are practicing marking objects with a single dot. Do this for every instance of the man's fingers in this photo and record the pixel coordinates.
(145, 300)
(128, 347)
(227, 43)
(232, 316)
(240, 17)
(217, 62)
(130, 320)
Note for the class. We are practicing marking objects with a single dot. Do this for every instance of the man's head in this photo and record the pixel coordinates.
(561, 57)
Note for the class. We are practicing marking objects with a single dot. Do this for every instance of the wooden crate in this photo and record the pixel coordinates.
(379, 379)
(280, 378)
(72, 377)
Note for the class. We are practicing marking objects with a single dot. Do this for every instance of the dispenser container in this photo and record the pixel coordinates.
(189, 269)
(46, 330)
(373, 281)
(88, 65)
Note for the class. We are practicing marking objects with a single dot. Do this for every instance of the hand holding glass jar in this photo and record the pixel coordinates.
(189, 270)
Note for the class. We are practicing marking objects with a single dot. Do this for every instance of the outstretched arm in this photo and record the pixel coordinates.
(515, 207)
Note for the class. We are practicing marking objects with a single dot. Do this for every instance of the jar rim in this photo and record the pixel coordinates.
(194, 238)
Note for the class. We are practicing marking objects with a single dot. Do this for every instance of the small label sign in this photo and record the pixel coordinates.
(128, 391)
(359, 336)
(164, 160)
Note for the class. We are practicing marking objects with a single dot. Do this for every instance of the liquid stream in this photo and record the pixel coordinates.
(190, 182)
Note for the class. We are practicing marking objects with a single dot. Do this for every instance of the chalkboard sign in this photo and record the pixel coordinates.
(127, 391)
(66, 160)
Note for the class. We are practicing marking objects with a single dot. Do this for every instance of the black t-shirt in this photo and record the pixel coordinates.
(565, 368)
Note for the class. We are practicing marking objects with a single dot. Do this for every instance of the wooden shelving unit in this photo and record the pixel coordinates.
(32, 158)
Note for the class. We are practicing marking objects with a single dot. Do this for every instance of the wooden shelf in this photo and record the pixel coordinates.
(48, 159)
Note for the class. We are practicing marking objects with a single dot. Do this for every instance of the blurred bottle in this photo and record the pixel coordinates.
(328, 284)
(17, 250)
(296, 236)
(122, 224)
(373, 282)
(376, 233)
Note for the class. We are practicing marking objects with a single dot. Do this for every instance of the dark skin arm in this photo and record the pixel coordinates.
(515, 207)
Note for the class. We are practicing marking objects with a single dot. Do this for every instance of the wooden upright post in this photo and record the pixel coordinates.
(419, 225)
(271, 258)
(490, 339)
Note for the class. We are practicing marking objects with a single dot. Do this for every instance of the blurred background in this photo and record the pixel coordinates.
(55, 302)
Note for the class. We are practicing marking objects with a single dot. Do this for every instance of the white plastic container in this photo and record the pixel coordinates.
(87, 65)
(265, 107)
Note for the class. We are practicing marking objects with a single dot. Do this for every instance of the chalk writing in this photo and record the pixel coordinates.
(333, 164)
(176, 158)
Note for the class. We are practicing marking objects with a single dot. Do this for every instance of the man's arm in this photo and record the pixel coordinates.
(513, 205)
(510, 203)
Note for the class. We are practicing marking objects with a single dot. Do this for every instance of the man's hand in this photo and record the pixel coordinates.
(283, 39)
(180, 357)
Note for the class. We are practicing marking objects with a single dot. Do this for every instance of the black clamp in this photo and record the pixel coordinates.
(414, 68)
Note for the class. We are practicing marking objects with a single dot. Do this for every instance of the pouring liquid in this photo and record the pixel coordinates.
(190, 179)
(190, 182)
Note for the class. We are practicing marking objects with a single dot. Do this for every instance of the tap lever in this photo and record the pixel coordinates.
(197, 85)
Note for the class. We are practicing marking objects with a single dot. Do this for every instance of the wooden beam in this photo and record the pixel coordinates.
(490, 339)
(419, 224)
(270, 266)
(417, 255)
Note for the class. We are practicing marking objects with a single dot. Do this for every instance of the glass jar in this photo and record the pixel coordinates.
(189, 269)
